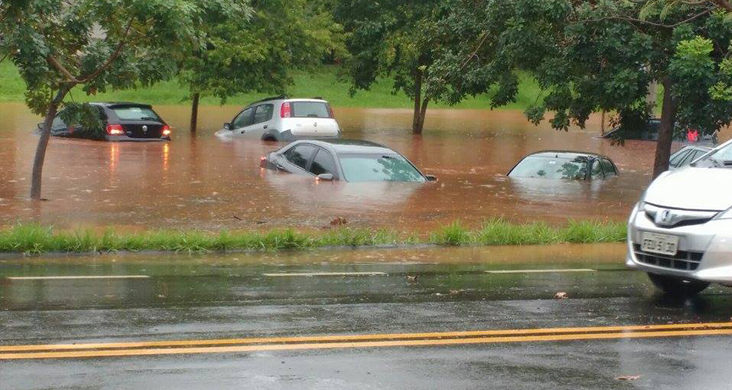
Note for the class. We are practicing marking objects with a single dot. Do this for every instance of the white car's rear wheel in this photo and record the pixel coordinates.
(677, 286)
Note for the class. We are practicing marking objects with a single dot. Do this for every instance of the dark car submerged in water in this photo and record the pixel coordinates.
(347, 160)
(118, 122)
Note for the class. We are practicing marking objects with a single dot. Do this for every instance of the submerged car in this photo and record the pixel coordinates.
(687, 155)
(118, 122)
(680, 232)
(564, 165)
(649, 132)
(283, 119)
(347, 160)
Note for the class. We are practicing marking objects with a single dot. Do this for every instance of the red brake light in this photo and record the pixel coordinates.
(330, 111)
(115, 130)
(166, 131)
(285, 110)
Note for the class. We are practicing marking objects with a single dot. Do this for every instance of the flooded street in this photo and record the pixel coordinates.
(429, 318)
(204, 182)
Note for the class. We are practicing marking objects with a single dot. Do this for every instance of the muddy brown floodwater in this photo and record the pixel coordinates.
(203, 182)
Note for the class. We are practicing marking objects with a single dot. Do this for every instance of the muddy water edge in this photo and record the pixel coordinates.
(205, 183)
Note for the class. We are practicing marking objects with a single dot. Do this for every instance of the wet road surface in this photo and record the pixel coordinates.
(207, 183)
(432, 318)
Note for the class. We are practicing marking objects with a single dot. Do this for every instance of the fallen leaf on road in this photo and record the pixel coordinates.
(561, 295)
(628, 378)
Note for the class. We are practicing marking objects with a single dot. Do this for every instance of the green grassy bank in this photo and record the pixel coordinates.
(31, 239)
(320, 82)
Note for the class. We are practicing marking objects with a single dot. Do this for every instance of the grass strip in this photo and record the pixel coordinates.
(321, 81)
(34, 239)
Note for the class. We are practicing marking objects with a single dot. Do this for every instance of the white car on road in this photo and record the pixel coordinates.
(680, 232)
(283, 119)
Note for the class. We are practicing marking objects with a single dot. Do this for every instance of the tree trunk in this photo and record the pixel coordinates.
(423, 114)
(420, 106)
(416, 128)
(665, 130)
(602, 123)
(43, 144)
(194, 113)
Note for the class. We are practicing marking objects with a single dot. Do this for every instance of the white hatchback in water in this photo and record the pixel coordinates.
(283, 119)
(681, 230)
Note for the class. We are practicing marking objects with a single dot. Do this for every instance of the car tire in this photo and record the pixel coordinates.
(677, 286)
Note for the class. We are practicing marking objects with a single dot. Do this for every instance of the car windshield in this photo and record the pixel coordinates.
(136, 114)
(719, 158)
(548, 167)
(378, 167)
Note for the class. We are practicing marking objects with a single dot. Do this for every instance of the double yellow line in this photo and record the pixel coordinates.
(174, 347)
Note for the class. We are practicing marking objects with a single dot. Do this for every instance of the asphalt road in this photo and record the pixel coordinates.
(464, 318)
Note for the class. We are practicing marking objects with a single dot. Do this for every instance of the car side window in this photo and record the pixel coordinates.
(596, 170)
(608, 168)
(58, 123)
(676, 160)
(687, 159)
(323, 163)
(696, 155)
(263, 113)
(300, 155)
(243, 119)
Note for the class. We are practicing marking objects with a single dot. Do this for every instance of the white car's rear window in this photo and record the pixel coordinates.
(310, 110)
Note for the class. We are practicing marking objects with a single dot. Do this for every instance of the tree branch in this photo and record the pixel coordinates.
(112, 57)
(54, 62)
(475, 52)
(639, 21)
(724, 4)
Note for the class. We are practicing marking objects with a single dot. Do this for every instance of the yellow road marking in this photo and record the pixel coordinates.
(540, 271)
(364, 344)
(77, 277)
(366, 337)
(309, 274)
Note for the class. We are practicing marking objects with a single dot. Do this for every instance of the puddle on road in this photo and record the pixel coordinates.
(243, 277)
(490, 257)
(203, 182)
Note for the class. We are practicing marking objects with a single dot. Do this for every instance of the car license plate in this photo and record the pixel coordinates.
(662, 244)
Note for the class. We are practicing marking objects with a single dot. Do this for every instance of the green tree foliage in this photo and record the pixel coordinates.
(595, 56)
(98, 44)
(395, 38)
(257, 51)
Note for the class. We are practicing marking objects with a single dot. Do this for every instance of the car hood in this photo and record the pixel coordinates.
(693, 189)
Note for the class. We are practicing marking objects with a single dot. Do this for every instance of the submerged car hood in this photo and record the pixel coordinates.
(693, 189)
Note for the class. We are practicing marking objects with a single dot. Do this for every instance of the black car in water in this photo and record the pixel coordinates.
(118, 122)
(565, 165)
(347, 160)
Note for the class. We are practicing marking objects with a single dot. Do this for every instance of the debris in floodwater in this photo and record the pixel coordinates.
(628, 378)
(412, 278)
(561, 295)
(338, 221)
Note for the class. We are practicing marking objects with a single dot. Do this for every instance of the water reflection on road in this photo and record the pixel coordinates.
(207, 183)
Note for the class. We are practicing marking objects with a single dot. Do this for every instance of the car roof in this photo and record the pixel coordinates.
(566, 154)
(696, 147)
(120, 104)
(288, 99)
(352, 146)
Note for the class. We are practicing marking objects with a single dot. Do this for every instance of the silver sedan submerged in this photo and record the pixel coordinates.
(681, 231)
